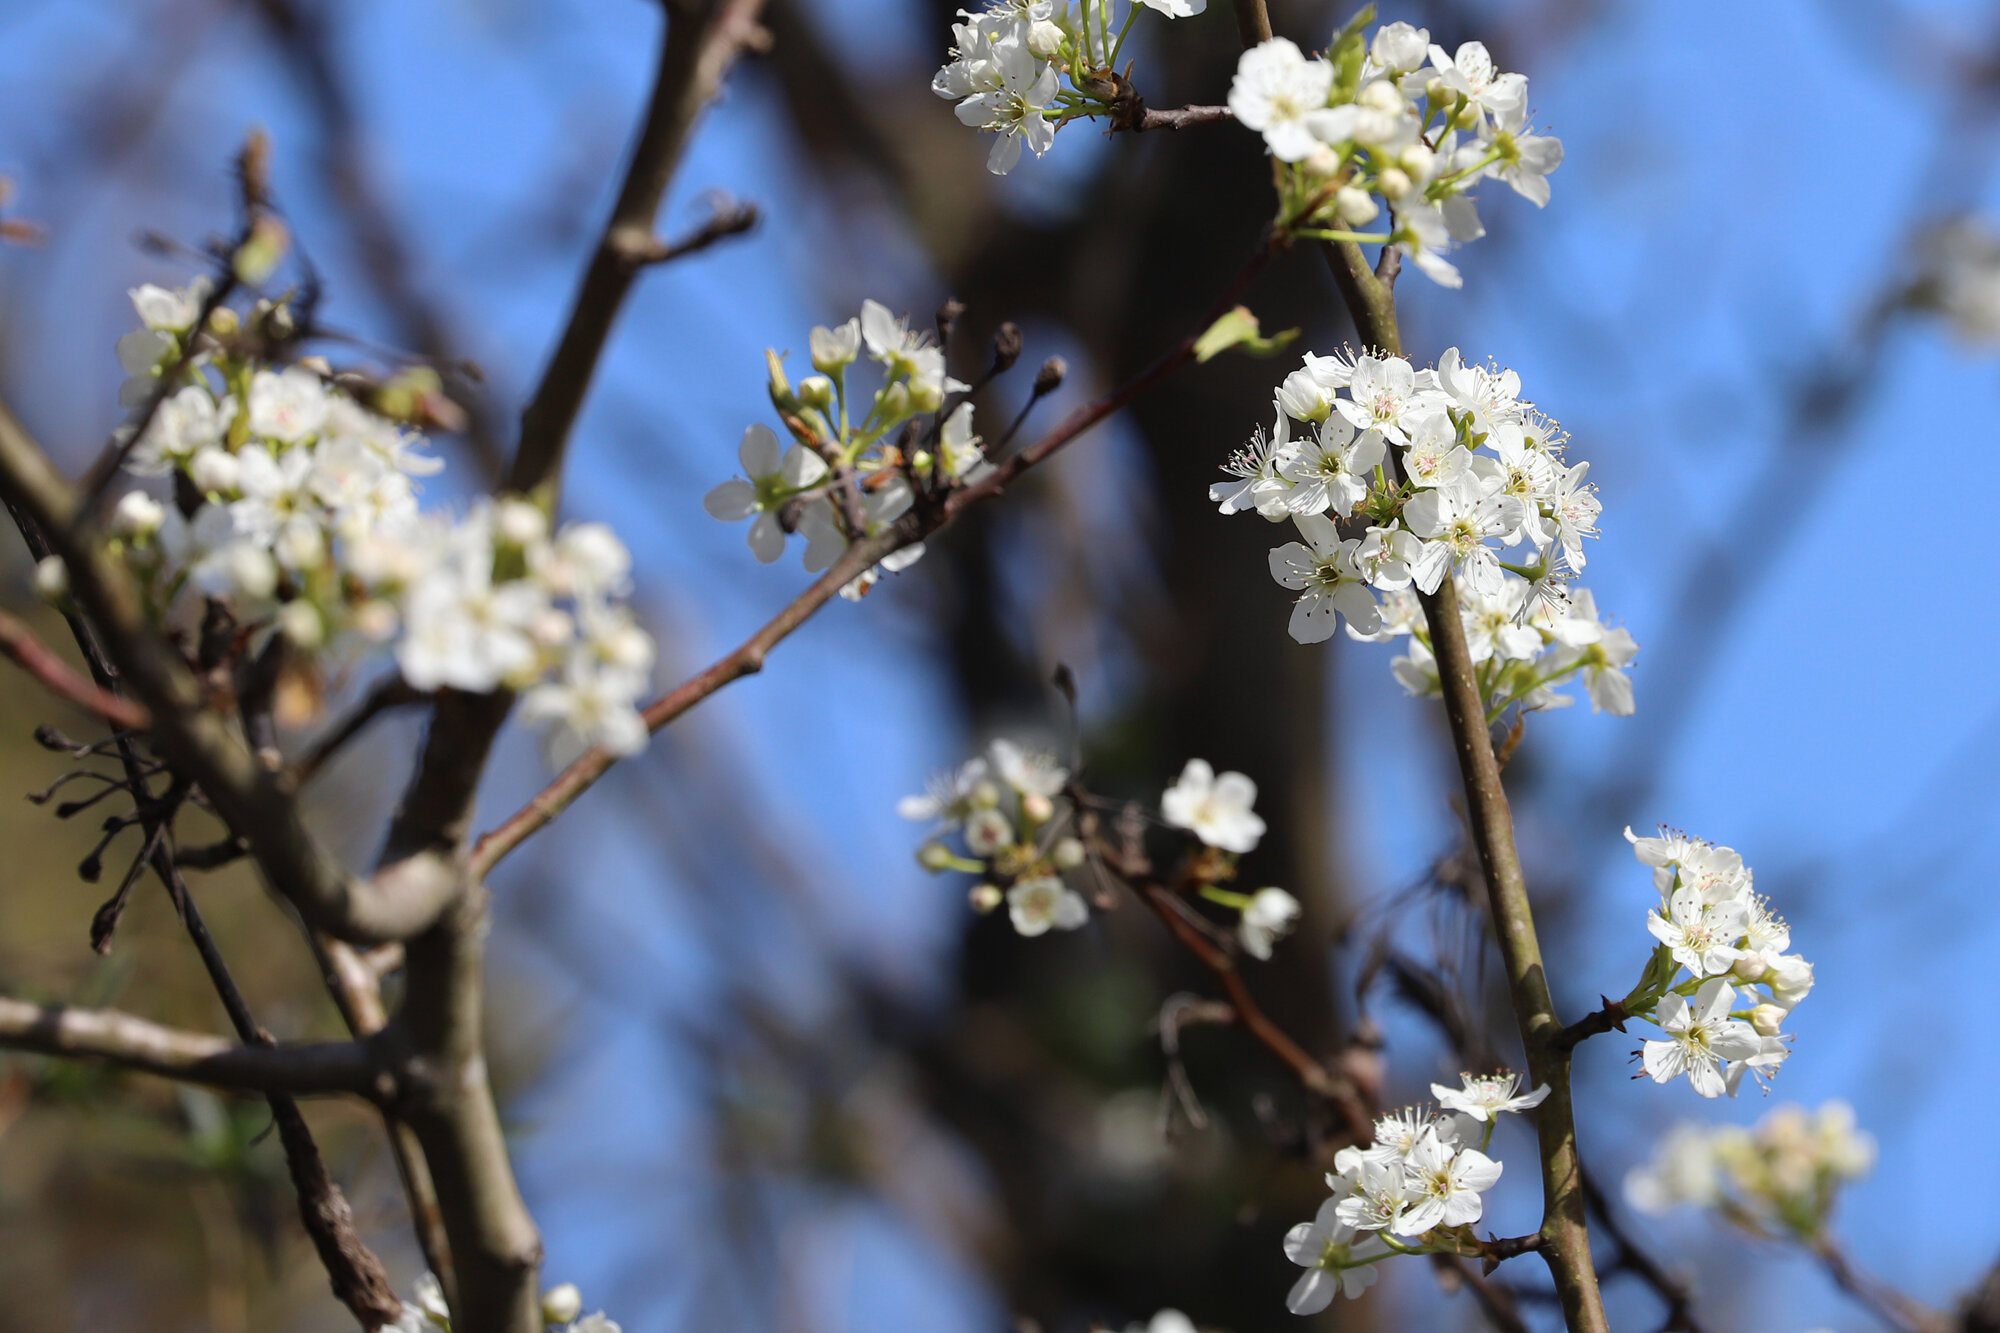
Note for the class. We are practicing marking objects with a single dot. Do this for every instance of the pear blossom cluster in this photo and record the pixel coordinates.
(1722, 980)
(294, 505)
(1397, 478)
(1392, 121)
(850, 473)
(1417, 1189)
(561, 1309)
(1009, 63)
(1012, 810)
(1778, 1178)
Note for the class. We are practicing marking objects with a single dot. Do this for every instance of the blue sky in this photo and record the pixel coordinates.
(1740, 181)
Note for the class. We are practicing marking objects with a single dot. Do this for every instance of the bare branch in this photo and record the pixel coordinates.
(1180, 117)
(309, 1069)
(641, 247)
(19, 643)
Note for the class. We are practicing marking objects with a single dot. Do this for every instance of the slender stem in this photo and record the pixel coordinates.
(1892, 1307)
(1253, 22)
(1371, 300)
(19, 643)
(312, 1069)
(748, 658)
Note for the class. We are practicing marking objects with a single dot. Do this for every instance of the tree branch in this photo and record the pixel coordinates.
(640, 247)
(108, 1035)
(1370, 299)
(19, 643)
(748, 658)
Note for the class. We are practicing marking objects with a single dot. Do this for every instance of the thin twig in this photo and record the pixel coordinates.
(1180, 117)
(748, 658)
(19, 643)
(729, 218)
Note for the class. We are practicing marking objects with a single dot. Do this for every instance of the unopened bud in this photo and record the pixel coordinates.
(1381, 95)
(894, 402)
(520, 522)
(1067, 853)
(300, 623)
(1355, 205)
(1321, 161)
(925, 396)
(1767, 1019)
(1419, 161)
(214, 471)
(984, 898)
(1006, 346)
(223, 322)
(1037, 807)
(782, 396)
(137, 515)
(816, 391)
(1437, 92)
(562, 1305)
(834, 348)
(1045, 39)
(259, 255)
(51, 579)
(985, 794)
(1050, 377)
(935, 857)
(1394, 183)
(1749, 968)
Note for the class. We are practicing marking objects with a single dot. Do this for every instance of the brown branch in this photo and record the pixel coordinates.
(1253, 23)
(19, 643)
(1495, 1301)
(389, 693)
(1632, 1257)
(640, 247)
(308, 1069)
(1609, 1018)
(748, 658)
(1370, 298)
(1180, 117)
(1892, 1307)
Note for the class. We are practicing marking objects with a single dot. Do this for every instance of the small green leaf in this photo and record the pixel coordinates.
(1239, 328)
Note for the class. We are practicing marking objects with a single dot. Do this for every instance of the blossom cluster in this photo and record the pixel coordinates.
(1009, 62)
(1398, 477)
(1416, 1190)
(1722, 1018)
(1777, 1178)
(1017, 820)
(842, 479)
(294, 506)
(562, 1311)
(1395, 118)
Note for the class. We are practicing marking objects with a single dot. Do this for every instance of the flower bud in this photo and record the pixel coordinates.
(1045, 39)
(1067, 853)
(1006, 346)
(1381, 95)
(1767, 1019)
(1321, 161)
(782, 396)
(1419, 161)
(561, 1305)
(250, 570)
(1050, 377)
(376, 621)
(1394, 183)
(925, 396)
(987, 832)
(1036, 807)
(1749, 968)
(223, 322)
(551, 628)
(984, 898)
(816, 391)
(1438, 93)
(894, 402)
(51, 579)
(300, 622)
(214, 471)
(137, 515)
(934, 856)
(985, 794)
(1355, 205)
(520, 523)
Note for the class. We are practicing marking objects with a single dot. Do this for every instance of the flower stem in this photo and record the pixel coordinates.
(1565, 1233)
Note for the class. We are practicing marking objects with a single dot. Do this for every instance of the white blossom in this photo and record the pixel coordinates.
(1037, 905)
(1267, 918)
(1700, 1038)
(1214, 808)
(1488, 1096)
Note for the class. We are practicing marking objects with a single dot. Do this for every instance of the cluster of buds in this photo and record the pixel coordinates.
(1397, 478)
(848, 473)
(1017, 824)
(1777, 1179)
(1720, 983)
(561, 1310)
(1015, 812)
(293, 507)
(1393, 118)
(1010, 61)
(1417, 1189)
